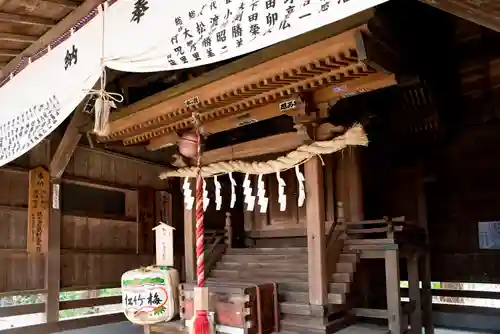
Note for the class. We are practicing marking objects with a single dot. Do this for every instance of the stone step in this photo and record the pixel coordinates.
(268, 251)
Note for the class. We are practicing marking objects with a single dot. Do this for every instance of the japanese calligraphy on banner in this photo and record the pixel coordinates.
(148, 36)
(38, 210)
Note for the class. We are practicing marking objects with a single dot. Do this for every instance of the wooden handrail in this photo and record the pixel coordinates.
(216, 243)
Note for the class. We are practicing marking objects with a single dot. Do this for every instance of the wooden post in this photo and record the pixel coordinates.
(393, 291)
(146, 198)
(190, 238)
(53, 256)
(425, 256)
(228, 231)
(349, 189)
(315, 213)
(427, 294)
(414, 292)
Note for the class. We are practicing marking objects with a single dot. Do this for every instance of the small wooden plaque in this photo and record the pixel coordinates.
(38, 210)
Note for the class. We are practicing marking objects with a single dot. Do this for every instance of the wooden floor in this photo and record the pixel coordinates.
(376, 329)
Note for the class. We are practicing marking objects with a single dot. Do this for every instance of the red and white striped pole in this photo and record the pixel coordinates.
(201, 324)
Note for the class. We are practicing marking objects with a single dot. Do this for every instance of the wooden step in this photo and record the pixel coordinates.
(349, 257)
(339, 288)
(245, 258)
(286, 266)
(248, 275)
(268, 251)
(305, 325)
(295, 308)
(345, 267)
(342, 277)
(303, 297)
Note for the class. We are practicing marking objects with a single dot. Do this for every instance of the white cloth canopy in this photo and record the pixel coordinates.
(148, 36)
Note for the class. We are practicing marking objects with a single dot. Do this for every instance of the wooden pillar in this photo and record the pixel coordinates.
(425, 255)
(146, 221)
(349, 184)
(315, 213)
(190, 238)
(393, 291)
(427, 294)
(414, 293)
(53, 256)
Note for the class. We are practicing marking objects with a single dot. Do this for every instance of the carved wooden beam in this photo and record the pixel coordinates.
(272, 144)
(268, 145)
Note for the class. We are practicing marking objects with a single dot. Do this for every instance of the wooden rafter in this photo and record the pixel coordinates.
(26, 20)
(80, 11)
(17, 38)
(64, 3)
(9, 53)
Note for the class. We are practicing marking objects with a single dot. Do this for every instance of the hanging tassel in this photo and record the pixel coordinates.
(102, 109)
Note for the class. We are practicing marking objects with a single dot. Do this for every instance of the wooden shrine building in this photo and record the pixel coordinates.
(393, 234)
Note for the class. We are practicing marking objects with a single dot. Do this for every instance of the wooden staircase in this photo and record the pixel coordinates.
(289, 269)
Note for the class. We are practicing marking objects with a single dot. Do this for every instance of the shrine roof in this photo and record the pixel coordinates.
(330, 63)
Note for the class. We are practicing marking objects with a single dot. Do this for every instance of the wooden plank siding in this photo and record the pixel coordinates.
(95, 249)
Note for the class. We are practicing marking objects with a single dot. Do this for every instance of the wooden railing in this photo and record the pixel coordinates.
(216, 243)
(386, 229)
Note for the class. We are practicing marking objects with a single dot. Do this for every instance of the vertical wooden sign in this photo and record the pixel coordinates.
(146, 220)
(164, 239)
(164, 207)
(38, 210)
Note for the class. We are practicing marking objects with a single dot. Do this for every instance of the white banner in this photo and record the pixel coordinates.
(148, 36)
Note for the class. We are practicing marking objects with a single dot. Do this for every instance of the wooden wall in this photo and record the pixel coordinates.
(96, 248)
(288, 225)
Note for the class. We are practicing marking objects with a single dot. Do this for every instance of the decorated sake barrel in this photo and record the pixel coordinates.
(150, 295)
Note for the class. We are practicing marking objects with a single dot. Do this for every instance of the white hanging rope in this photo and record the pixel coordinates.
(355, 136)
(105, 100)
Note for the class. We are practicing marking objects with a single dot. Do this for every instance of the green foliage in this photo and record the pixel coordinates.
(63, 296)
(22, 300)
(137, 281)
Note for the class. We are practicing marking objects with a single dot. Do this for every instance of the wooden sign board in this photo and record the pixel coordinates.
(194, 101)
(164, 240)
(164, 207)
(38, 210)
(288, 105)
